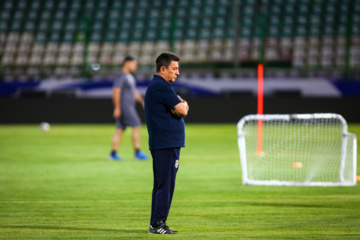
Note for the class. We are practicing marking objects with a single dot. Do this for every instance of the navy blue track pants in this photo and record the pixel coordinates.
(165, 167)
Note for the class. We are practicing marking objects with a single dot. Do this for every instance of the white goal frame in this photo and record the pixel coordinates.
(346, 136)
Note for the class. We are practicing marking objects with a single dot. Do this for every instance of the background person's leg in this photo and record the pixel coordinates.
(137, 144)
(116, 140)
(136, 137)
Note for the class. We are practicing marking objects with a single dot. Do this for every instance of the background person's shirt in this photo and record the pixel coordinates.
(165, 129)
(127, 84)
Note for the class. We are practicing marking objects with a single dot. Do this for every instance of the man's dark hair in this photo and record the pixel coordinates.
(165, 60)
(128, 58)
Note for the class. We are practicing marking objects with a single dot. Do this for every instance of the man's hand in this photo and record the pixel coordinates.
(184, 102)
(117, 112)
(173, 112)
(180, 111)
(186, 105)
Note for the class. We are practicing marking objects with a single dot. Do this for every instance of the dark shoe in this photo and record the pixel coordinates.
(170, 229)
(161, 229)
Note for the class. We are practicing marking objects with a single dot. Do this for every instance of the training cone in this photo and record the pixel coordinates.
(297, 165)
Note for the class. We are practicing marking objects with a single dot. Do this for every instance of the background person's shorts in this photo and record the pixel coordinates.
(128, 118)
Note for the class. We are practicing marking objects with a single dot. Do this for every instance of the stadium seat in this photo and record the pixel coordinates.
(8, 5)
(118, 59)
(94, 47)
(78, 48)
(187, 56)
(271, 54)
(313, 52)
(3, 37)
(215, 55)
(65, 47)
(24, 47)
(188, 45)
(38, 48)
(52, 47)
(41, 36)
(13, 37)
(145, 59)
(216, 44)
(7, 59)
(107, 47)
(134, 47)
(105, 58)
(228, 55)
(96, 36)
(3, 26)
(69, 36)
(55, 36)
(77, 59)
(254, 54)
(59, 72)
(62, 59)
(147, 47)
(202, 55)
(243, 54)
(120, 47)
(35, 58)
(49, 59)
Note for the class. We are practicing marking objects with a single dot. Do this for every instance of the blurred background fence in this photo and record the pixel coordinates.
(63, 38)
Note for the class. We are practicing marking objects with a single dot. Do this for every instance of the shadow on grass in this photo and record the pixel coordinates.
(73, 228)
(292, 205)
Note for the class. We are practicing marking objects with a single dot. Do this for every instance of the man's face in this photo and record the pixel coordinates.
(132, 65)
(172, 72)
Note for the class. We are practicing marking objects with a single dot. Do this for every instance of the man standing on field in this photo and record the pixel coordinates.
(164, 112)
(124, 97)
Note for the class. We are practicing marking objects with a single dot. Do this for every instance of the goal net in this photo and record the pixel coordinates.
(297, 150)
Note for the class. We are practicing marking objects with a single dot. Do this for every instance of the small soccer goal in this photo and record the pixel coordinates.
(297, 150)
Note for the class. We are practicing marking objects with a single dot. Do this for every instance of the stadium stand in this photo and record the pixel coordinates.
(62, 37)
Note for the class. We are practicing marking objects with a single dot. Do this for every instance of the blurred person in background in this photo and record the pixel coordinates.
(125, 96)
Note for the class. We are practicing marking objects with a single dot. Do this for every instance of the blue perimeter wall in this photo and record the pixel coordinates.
(202, 110)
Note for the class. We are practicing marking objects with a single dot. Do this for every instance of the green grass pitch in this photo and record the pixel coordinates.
(60, 185)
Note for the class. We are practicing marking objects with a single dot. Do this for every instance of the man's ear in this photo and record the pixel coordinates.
(162, 69)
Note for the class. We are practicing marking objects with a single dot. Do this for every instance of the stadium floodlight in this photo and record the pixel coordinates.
(297, 150)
